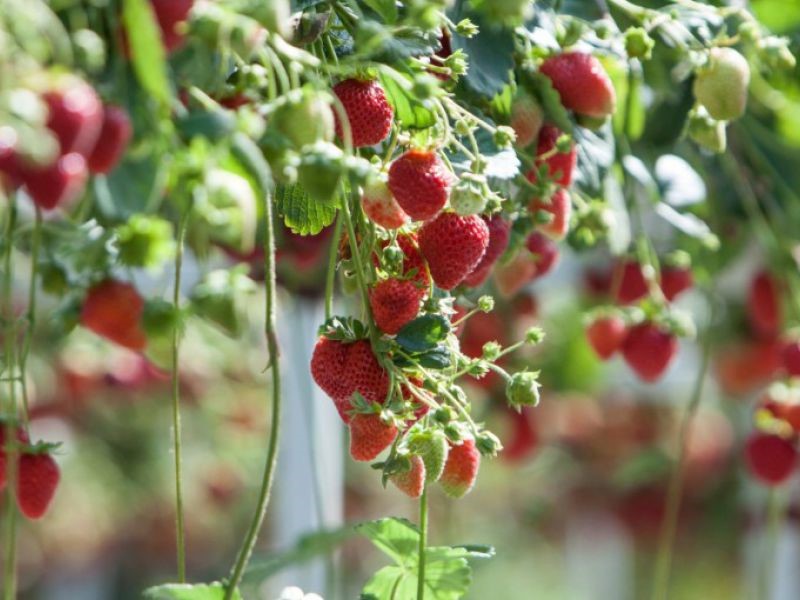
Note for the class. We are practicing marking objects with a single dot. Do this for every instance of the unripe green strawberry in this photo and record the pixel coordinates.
(412, 481)
(523, 389)
(460, 469)
(432, 448)
(369, 436)
(526, 119)
(721, 85)
(307, 118)
(470, 194)
(707, 132)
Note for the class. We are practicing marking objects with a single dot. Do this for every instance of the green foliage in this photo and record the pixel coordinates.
(185, 591)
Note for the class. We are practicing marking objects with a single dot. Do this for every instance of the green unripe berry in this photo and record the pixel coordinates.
(523, 389)
(721, 85)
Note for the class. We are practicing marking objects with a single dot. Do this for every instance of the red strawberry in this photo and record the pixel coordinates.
(414, 261)
(632, 283)
(675, 281)
(648, 350)
(38, 479)
(499, 233)
(523, 438)
(22, 438)
(394, 303)
(327, 367)
(369, 436)
(59, 184)
(453, 245)
(764, 305)
(368, 111)
(461, 469)
(114, 137)
(526, 120)
(364, 374)
(790, 357)
(75, 117)
(545, 253)
(606, 335)
(560, 207)
(10, 167)
(770, 458)
(411, 482)
(582, 83)
(745, 367)
(420, 182)
(380, 206)
(559, 165)
(113, 310)
(170, 14)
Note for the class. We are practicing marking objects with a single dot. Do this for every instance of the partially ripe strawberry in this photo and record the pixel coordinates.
(37, 481)
(499, 233)
(113, 310)
(770, 458)
(432, 447)
(560, 208)
(369, 436)
(559, 165)
(510, 278)
(368, 111)
(60, 184)
(461, 469)
(675, 281)
(632, 283)
(364, 374)
(411, 482)
(649, 350)
(453, 245)
(420, 182)
(764, 307)
(75, 117)
(721, 85)
(790, 357)
(545, 253)
(394, 303)
(526, 119)
(381, 207)
(582, 83)
(606, 335)
(113, 140)
(327, 366)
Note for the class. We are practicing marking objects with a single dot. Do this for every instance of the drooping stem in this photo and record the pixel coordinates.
(675, 490)
(423, 542)
(10, 571)
(180, 534)
(36, 242)
(272, 451)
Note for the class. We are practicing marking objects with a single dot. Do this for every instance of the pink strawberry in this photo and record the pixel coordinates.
(368, 111)
(649, 350)
(394, 303)
(512, 277)
(582, 83)
(559, 165)
(770, 458)
(499, 233)
(526, 120)
(369, 436)
(461, 469)
(606, 335)
(420, 182)
(38, 479)
(453, 245)
(560, 207)
(411, 482)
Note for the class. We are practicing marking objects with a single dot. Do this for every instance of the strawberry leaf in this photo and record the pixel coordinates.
(423, 333)
(183, 591)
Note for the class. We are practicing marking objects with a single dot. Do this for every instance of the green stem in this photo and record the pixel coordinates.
(674, 491)
(176, 402)
(36, 242)
(330, 277)
(423, 542)
(10, 585)
(249, 541)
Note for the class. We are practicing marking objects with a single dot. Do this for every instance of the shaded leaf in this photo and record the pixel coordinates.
(423, 333)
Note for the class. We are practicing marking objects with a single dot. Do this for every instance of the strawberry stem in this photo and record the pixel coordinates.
(36, 242)
(330, 277)
(423, 541)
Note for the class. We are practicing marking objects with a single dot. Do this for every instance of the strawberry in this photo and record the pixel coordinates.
(606, 335)
(453, 245)
(327, 367)
(499, 234)
(632, 284)
(114, 137)
(721, 85)
(559, 164)
(560, 208)
(59, 184)
(75, 116)
(582, 84)
(380, 206)
(526, 119)
(510, 278)
(10, 168)
(545, 253)
(368, 111)
(22, 438)
(764, 308)
(394, 303)
(675, 281)
(412, 481)
(414, 262)
(38, 479)
(743, 368)
(364, 374)
(648, 350)
(369, 436)
(523, 438)
(420, 182)
(169, 15)
(113, 310)
(432, 448)
(461, 469)
(790, 357)
(770, 458)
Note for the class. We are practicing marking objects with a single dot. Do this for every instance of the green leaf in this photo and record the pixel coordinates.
(386, 9)
(490, 57)
(435, 358)
(185, 591)
(147, 50)
(408, 111)
(300, 213)
(390, 582)
(540, 86)
(397, 538)
(423, 333)
(447, 573)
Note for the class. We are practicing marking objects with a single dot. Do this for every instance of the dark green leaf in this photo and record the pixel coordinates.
(423, 333)
(490, 58)
(435, 358)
